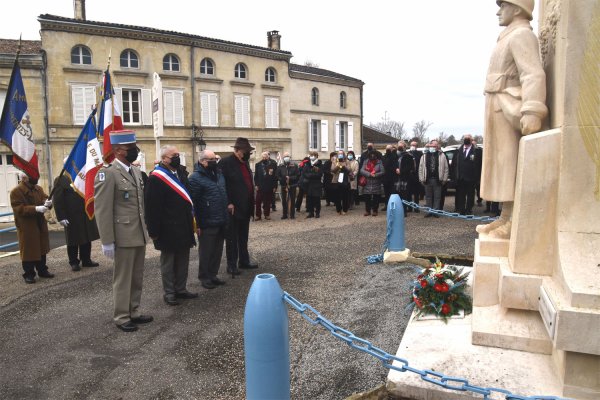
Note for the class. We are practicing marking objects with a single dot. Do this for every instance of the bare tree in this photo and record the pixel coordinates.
(311, 63)
(420, 129)
(393, 128)
(443, 139)
(478, 139)
(451, 140)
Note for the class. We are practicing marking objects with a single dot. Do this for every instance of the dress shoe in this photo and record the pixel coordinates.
(29, 279)
(218, 281)
(416, 210)
(89, 264)
(311, 215)
(257, 219)
(294, 217)
(234, 272)
(249, 266)
(267, 217)
(375, 213)
(428, 215)
(186, 295)
(284, 217)
(367, 213)
(75, 267)
(128, 327)
(208, 285)
(171, 300)
(317, 215)
(45, 274)
(142, 319)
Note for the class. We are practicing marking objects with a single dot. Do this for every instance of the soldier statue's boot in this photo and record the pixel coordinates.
(501, 232)
(487, 228)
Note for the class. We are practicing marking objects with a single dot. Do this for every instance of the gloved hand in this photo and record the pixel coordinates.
(41, 209)
(48, 203)
(64, 222)
(109, 250)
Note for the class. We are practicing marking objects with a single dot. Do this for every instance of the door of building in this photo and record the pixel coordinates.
(8, 180)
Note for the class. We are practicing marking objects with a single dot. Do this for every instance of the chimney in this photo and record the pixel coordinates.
(274, 40)
(79, 6)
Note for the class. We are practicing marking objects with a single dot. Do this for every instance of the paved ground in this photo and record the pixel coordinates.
(58, 341)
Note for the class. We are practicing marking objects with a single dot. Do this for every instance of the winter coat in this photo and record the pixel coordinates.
(515, 84)
(312, 177)
(442, 168)
(390, 163)
(209, 195)
(373, 185)
(290, 170)
(406, 164)
(265, 177)
(169, 217)
(69, 205)
(466, 167)
(338, 168)
(32, 228)
(237, 191)
(353, 167)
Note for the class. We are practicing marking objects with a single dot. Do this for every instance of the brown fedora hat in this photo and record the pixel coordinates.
(242, 144)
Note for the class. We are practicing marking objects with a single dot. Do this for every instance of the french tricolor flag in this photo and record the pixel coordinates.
(15, 126)
(110, 116)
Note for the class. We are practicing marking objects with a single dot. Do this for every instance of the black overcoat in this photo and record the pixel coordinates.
(237, 191)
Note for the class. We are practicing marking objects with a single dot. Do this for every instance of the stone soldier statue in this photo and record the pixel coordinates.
(515, 92)
(119, 209)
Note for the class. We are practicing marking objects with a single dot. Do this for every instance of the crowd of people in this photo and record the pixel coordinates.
(212, 207)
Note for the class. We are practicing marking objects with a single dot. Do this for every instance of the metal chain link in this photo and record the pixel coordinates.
(434, 377)
(449, 214)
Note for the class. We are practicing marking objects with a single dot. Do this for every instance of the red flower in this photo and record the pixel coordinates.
(446, 309)
(418, 302)
(439, 276)
(423, 283)
(437, 287)
(445, 287)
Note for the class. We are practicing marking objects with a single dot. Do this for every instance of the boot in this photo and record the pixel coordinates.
(501, 232)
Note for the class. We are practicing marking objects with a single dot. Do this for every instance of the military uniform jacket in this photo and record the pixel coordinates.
(119, 206)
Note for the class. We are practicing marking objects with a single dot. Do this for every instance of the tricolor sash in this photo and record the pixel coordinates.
(172, 181)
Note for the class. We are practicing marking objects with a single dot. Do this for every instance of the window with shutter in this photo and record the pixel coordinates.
(131, 99)
(324, 135)
(350, 136)
(271, 112)
(147, 106)
(209, 109)
(313, 134)
(242, 111)
(83, 100)
(173, 107)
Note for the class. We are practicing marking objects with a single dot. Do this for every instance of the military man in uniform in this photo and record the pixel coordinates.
(119, 208)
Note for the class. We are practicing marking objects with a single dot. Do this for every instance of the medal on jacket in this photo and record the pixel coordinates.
(126, 195)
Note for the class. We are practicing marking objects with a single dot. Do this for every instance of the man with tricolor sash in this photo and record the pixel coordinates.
(170, 222)
(119, 208)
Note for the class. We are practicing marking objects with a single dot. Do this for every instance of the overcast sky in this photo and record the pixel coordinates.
(419, 59)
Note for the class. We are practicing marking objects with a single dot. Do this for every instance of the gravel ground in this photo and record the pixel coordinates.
(58, 340)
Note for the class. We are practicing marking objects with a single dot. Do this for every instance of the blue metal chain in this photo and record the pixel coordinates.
(449, 214)
(436, 378)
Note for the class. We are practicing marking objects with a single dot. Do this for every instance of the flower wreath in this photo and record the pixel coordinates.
(440, 290)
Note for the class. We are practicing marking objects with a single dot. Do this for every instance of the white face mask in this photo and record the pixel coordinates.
(432, 149)
(286, 159)
(413, 148)
(312, 158)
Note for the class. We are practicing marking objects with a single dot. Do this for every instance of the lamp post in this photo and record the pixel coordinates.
(198, 139)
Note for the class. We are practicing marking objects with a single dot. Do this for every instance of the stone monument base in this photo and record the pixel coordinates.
(395, 256)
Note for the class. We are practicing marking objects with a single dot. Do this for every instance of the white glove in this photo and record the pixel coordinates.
(41, 209)
(48, 203)
(64, 222)
(109, 250)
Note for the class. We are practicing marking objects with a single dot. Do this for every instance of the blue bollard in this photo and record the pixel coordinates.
(395, 224)
(266, 341)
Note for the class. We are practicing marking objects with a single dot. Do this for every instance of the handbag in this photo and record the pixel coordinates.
(362, 180)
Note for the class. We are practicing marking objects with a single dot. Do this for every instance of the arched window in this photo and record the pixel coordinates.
(342, 99)
(207, 67)
(241, 71)
(171, 63)
(270, 75)
(129, 59)
(315, 96)
(81, 55)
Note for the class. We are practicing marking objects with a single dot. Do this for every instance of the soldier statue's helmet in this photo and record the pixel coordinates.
(525, 5)
(122, 137)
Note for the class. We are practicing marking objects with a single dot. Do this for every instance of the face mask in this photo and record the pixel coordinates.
(312, 158)
(432, 149)
(370, 148)
(132, 154)
(340, 157)
(413, 148)
(246, 156)
(350, 157)
(286, 160)
(175, 161)
(388, 151)
(33, 181)
(211, 165)
(467, 141)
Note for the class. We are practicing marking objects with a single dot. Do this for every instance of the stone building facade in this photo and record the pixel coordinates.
(219, 88)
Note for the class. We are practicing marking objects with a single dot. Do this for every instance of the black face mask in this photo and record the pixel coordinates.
(467, 141)
(175, 161)
(33, 182)
(370, 148)
(388, 151)
(246, 156)
(211, 165)
(132, 154)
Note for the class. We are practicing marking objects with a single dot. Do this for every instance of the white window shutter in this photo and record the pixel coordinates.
(146, 107)
(214, 109)
(350, 135)
(78, 104)
(90, 100)
(268, 113)
(178, 107)
(337, 135)
(275, 112)
(310, 144)
(238, 111)
(168, 105)
(118, 97)
(205, 109)
(324, 135)
(247, 111)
